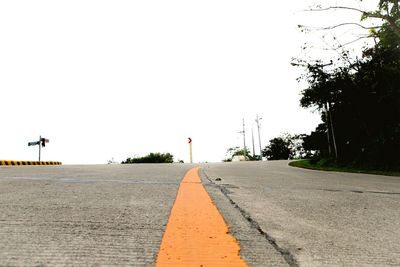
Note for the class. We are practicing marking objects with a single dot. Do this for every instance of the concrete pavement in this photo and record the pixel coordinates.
(318, 218)
(105, 215)
(116, 214)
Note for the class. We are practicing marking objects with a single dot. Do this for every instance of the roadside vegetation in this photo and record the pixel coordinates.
(286, 146)
(357, 97)
(151, 158)
(326, 165)
(233, 152)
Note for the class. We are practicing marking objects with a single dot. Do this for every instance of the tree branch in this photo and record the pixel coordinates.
(350, 42)
(338, 7)
(340, 25)
(351, 23)
(393, 25)
(387, 18)
(356, 40)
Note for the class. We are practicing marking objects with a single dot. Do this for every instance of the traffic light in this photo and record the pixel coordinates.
(43, 142)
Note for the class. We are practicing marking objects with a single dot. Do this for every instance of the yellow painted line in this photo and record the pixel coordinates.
(196, 233)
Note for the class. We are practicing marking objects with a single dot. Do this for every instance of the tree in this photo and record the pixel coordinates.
(316, 143)
(299, 151)
(278, 148)
(363, 117)
(287, 146)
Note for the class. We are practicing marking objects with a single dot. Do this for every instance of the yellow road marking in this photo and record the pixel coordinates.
(19, 162)
(196, 233)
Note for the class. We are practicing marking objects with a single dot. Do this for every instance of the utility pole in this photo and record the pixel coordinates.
(332, 129)
(252, 140)
(244, 141)
(259, 136)
(328, 131)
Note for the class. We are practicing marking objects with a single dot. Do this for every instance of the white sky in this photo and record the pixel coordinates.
(105, 79)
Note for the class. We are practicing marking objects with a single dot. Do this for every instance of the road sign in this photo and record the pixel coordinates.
(42, 142)
(190, 140)
(33, 143)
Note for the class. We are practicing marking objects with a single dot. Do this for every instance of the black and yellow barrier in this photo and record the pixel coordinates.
(25, 162)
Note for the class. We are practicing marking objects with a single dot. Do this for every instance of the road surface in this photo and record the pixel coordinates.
(117, 214)
(103, 215)
(318, 218)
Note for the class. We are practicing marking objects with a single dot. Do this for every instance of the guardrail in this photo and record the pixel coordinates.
(25, 162)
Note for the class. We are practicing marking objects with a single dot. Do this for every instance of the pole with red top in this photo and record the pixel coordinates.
(190, 147)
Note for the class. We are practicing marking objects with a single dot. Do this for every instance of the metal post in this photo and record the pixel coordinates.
(40, 138)
(191, 153)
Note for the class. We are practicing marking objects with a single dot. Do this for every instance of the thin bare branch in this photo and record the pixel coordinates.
(350, 23)
(378, 16)
(338, 7)
(340, 25)
(343, 55)
(368, 14)
(356, 40)
(387, 18)
(365, 13)
(339, 46)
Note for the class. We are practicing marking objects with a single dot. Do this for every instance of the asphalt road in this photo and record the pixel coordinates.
(106, 215)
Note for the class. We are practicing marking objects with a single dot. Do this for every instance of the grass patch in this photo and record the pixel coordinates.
(324, 165)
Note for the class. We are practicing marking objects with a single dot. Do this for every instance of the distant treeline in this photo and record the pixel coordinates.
(151, 158)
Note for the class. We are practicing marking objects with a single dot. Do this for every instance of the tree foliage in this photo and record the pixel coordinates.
(151, 158)
(278, 148)
(389, 12)
(286, 146)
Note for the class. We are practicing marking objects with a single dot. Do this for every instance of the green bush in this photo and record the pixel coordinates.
(151, 158)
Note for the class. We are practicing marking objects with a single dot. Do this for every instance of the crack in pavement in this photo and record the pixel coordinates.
(286, 254)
